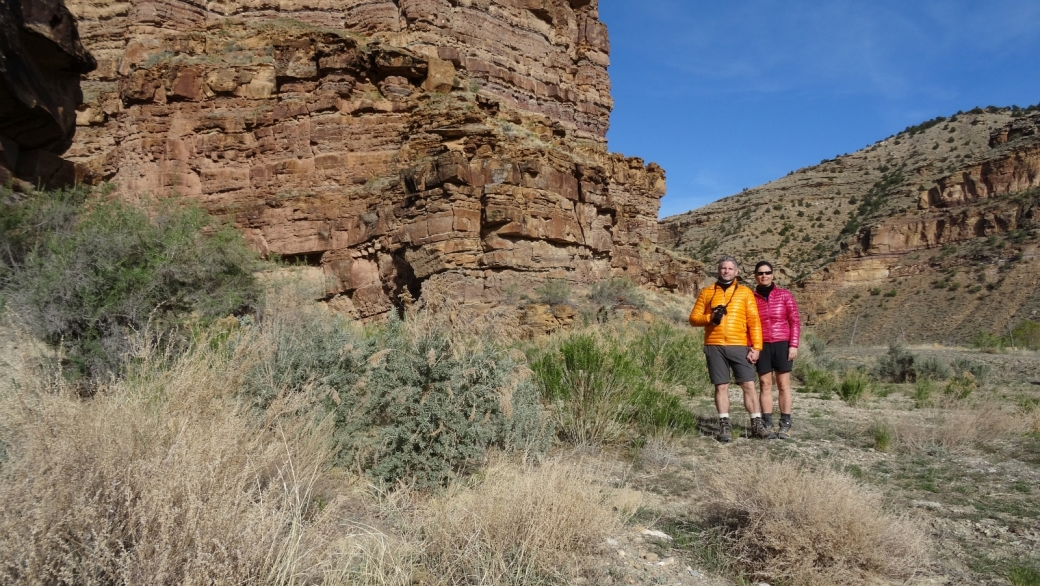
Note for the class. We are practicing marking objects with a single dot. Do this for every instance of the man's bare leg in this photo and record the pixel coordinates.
(751, 399)
(722, 404)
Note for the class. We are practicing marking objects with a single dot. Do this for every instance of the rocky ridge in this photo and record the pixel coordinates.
(928, 235)
(390, 143)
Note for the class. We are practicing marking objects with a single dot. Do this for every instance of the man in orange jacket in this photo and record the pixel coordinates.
(732, 340)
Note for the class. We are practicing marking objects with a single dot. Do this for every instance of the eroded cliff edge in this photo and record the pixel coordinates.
(391, 143)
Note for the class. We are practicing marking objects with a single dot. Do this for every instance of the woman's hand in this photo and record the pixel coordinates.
(792, 353)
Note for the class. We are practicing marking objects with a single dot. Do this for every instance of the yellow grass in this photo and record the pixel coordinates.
(781, 522)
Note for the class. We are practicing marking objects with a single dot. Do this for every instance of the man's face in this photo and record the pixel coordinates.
(727, 271)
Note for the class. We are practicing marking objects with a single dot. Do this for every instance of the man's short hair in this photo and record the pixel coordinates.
(727, 258)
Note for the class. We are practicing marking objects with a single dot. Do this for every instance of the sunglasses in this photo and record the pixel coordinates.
(764, 273)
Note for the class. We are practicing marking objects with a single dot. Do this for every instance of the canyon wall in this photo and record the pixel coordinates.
(41, 60)
(393, 143)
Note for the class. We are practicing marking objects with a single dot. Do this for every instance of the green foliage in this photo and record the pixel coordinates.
(1024, 576)
(960, 386)
(883, 436)
(896, 366)
(922, 393)
(854, 385)
(602, 388)
(819, 381)
(988, 342)
(1027, 335)
(86, 279)
(554, 292)
(617, 291)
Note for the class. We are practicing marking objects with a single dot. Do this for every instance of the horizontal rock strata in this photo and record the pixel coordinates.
(391, 143)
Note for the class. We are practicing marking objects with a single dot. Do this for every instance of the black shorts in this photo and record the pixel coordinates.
(721, 359)
(773, 358)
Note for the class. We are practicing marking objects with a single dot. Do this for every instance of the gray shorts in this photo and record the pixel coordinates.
(723, 358)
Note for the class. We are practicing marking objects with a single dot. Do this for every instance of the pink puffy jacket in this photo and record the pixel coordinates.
(779, 316)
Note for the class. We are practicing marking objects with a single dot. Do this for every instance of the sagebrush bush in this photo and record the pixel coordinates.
(931, 368)
(1027, 335)
(617, 291)
(783, 523)
(90, 277)
(980, 371)
(896, 366)
(554, 292)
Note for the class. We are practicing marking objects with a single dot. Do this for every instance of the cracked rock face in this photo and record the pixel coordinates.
(41, 60)
(391, 143)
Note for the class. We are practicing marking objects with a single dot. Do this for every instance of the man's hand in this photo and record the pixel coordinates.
(752, 355)
(792, 353)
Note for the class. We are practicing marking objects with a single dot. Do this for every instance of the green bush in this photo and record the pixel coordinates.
(554, 292)
(854, 385)
(819, 381)
(922, 394)
(883, 436)
(988, 342)
(617, 291)
(85, 279)
(604, 388)
(896, 366)
(960, 386)
(1027, 335)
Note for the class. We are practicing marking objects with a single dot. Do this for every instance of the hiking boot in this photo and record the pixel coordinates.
(758, 429)
(725, 430)
(785, 430)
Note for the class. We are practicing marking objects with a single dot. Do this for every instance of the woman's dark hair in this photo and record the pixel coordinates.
(763, 263)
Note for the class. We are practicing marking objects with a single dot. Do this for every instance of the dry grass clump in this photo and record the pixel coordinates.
(781, 522)
(518, 525)
(165, 478)
(959, 427)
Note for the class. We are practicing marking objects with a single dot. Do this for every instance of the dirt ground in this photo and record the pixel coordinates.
(976, 495)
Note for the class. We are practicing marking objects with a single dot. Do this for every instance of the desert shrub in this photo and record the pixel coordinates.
(783, 523)
(90, 282)
(434, 407)
(896, 366)
(883, 436)
(980, 371)
(988, 342)
(819, 381)
(1024, 576)
(960, 386)
(931, 368)
(617, 291)
(517, 526)
(600, 387)
(1027, 335)
(554, 292)
(960, 425)
(922, 393)
(674, 355)
(854, 385)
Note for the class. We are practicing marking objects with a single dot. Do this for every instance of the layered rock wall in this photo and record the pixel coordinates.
(41, 60)
(392, 143)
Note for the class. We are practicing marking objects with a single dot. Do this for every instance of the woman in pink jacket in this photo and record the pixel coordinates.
(781, 328)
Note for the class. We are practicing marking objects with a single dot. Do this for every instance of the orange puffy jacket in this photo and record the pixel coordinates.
(740, 326)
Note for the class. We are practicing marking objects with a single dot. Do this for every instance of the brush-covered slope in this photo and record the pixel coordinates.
(928, 235)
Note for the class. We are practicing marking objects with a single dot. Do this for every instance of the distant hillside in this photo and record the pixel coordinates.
(928, 235)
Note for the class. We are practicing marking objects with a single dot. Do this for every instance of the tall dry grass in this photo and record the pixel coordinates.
(781, 522)
(960, 425)
(165, 478)
(518, 525)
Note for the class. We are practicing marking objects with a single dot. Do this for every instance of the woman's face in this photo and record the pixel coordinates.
(764, 275)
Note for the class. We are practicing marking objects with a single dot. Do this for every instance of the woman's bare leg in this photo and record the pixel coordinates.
(765, 395)
(783, 383)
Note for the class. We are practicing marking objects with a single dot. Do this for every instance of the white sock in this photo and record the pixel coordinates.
(754, 415)
(723, 415)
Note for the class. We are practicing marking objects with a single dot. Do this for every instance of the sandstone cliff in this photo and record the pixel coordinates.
(926, 236)
(41, 59)
(389, 142)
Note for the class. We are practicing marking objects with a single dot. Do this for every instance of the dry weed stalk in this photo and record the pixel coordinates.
(519, 525)
(782, 522)
(165, 478)
(958, 426)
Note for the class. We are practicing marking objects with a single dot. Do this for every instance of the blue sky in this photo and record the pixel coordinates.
(727, 95)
